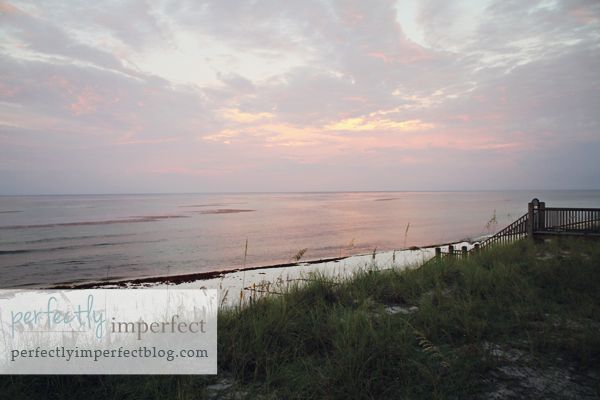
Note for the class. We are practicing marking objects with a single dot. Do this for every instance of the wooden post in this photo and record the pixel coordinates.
(542, 216)
(476, 247)
(451, 250)
(438, 253)
(464, 251)
(530, 216)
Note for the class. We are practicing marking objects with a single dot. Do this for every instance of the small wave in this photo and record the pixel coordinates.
(74, 247)
(10, 211)
(65, 238)
(209, 205)
(72, 262)
(224, 211)
(22, 251)
(132, 220)
(2, 252)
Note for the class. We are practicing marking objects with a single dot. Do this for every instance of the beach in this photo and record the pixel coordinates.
(239, 287)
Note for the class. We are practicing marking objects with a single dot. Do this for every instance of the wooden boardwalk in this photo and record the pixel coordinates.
(539, 222)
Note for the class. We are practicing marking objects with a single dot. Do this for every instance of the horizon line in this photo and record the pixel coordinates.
(293, 192)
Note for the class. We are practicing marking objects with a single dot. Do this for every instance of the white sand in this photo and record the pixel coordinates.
(237, 288)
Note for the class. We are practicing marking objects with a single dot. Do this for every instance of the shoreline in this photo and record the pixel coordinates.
(238, 286)
(217, 273)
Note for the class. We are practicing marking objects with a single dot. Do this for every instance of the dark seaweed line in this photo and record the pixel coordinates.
(107, 222)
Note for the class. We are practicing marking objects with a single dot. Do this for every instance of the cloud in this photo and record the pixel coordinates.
(235, 115)
(325, 90)
(364, 124)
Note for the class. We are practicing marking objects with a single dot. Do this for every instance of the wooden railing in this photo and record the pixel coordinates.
(538, 221)
(453, 252)
(567, 220)
(513, 232)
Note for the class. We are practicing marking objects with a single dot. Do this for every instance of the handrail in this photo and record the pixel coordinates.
(568, 219)
(571, 209)
(548, 219)
(539, 220)
(512, 232)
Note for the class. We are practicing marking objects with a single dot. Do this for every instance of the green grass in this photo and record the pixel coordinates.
(335, 340)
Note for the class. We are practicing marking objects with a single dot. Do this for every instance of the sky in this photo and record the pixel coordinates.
(306, 95)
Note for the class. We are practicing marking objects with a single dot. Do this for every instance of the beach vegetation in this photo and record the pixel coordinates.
(521, 319)
(298, 256)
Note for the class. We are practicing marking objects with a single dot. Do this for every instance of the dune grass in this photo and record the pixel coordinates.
(336, 340)
(440, 331)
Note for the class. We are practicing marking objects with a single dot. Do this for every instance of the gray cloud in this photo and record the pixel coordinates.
(500, 87)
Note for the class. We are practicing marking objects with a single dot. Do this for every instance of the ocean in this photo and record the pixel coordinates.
(55, 239)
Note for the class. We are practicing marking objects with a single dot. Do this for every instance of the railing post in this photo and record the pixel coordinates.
(476, 248)
(542, 216)
(438, 253)
(530, 214)
(451, 250)
(464, 251)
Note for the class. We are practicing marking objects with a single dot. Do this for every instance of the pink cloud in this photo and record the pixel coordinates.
(85, 102)
(7, 8)
(351, 15)
(462, 118)
(7, 90)
(81, 101)
(197, 170)
(186, 171)
(585, 15)
(411, 53)
(382, 56)
(130, 140)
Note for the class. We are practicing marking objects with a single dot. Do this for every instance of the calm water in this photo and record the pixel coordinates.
(49, 239)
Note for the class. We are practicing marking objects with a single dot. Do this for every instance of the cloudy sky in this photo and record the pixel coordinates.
(305, 95)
